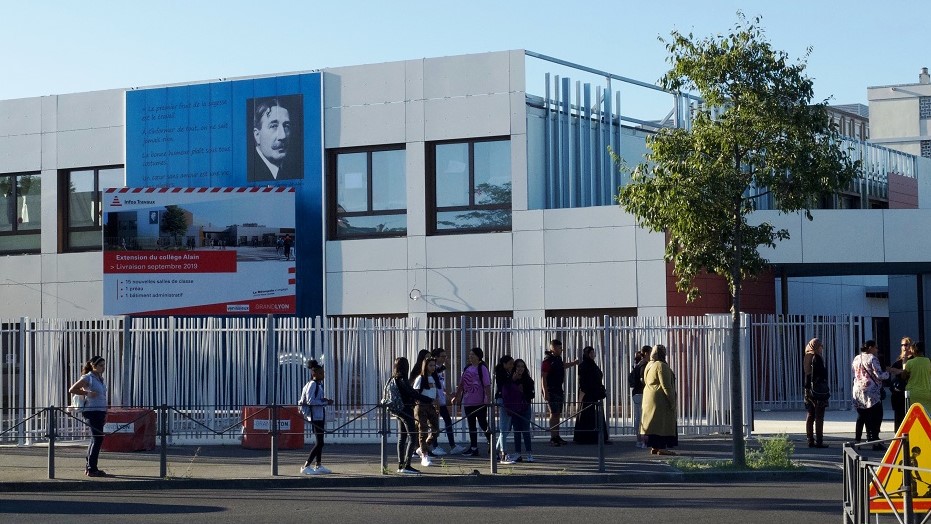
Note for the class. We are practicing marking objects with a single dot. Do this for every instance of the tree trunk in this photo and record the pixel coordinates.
(737, 422)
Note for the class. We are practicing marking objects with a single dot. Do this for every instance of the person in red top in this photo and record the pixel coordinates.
(553, 375)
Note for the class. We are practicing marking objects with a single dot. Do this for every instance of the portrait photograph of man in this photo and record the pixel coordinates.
(274, 141)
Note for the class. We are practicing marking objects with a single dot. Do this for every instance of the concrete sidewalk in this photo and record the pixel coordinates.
(27, 469)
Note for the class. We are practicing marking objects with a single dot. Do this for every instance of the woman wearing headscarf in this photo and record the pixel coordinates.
(592, 390)
(658, 424)
(815, 373)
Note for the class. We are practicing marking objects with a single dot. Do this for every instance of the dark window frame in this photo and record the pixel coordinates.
(332, 170)
(64, 208)
(433, 209)
(14, 231)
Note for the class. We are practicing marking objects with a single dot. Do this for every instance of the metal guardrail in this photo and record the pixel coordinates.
(49, 418)
(861, 476)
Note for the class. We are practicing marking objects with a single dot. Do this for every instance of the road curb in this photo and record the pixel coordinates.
(391, 481)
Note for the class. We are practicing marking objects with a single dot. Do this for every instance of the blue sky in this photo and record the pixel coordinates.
(55, 47)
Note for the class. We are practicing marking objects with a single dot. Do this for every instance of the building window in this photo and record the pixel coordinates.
(470, 186)
(82, 208)
(368, 193)
(20, 213)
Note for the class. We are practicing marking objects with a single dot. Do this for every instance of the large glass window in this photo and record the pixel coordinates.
(471, 186)
(369, 193)
(20, 213)
(81, 195)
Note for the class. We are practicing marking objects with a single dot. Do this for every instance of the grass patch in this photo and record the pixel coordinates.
(774, 454)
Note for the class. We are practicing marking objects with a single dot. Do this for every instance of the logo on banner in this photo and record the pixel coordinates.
(119, 427)
(918, 427)
(116, 202)
(262, 424)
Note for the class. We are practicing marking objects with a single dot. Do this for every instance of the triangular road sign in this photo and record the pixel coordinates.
(918, 427)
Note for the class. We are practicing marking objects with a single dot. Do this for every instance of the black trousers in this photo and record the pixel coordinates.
(476, 414)
(407, 437)
(94, 419)
(316, 452)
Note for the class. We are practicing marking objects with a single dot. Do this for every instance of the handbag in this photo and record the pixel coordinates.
(819, 390)
(77, 404)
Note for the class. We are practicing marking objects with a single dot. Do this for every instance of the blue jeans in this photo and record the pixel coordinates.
(521, 423)
(94, 419)
(504, 426)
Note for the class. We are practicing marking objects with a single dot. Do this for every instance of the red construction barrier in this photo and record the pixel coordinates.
(133, 430)
(256, 421)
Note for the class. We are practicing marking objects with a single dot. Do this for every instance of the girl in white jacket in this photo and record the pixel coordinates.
(313, 404)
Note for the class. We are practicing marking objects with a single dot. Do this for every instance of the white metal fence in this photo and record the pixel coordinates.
(207, 369)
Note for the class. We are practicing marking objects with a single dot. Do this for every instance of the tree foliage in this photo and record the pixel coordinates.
(174, 222)
(756, 132)
(756, 128)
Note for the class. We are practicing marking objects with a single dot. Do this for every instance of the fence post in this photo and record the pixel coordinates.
(908, 512)
(163, 432)
(274, 439)
(493, 439)
(21, 390)
(599, 427)
(384, 440)
(51, 442)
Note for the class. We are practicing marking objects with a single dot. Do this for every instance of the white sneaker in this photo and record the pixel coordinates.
(528, 458)
(438, 451)
(307, 470)
(457, 450)
(426, 461)
(508, 459)
(323, 470)
(416, 453)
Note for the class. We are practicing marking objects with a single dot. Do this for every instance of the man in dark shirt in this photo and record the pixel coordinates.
(553, 377)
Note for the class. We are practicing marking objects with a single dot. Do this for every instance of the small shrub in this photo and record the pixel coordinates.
(774, 453)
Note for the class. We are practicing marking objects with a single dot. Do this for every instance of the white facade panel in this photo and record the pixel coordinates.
(367, 292)
(416, 189)
(650, 245)
(454, 76)
(413, 80)
(364, 85)
(467, 117)
(75, 300)
(91, 147)
(20, 153)
(377, 254)
(96, 109)
(49, 203)
(20, 300)
(651, 285)
(591, 285)
(580, 218)
(528, 287)
(77, 266)
(519, 188)
(902, 228)
(529, 248)
(364, 125)
(20, 269)
(20, 117)
(601, 244)
(826, 243)
(413, 121)
(789, 250)
(490, 249)
(470, 289)
(531, 220)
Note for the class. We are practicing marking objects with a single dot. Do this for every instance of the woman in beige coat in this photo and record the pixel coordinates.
(658, 424)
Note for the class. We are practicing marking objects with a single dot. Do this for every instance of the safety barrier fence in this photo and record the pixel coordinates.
(68, 425)
(872, 489)
(235, 362)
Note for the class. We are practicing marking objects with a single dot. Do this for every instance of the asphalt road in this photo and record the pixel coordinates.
(759, 503)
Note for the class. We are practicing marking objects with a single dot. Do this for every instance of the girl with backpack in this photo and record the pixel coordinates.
(503, 376)
(474, 394)
(407, 428)
(313, 406)
(425, 413)
(454, 449)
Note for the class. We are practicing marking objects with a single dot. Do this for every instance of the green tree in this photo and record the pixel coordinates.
(757, 128)
(174, 222)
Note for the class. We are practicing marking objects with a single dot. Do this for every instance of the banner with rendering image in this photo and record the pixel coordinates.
(199, 251)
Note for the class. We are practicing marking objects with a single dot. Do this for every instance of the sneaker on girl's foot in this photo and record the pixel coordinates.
(426, 461)
(457, 449)
(407, 470)
(308, 470)
(322, 470)
(438, 451)
(416, 453)
(471, 452)
(529, 458)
